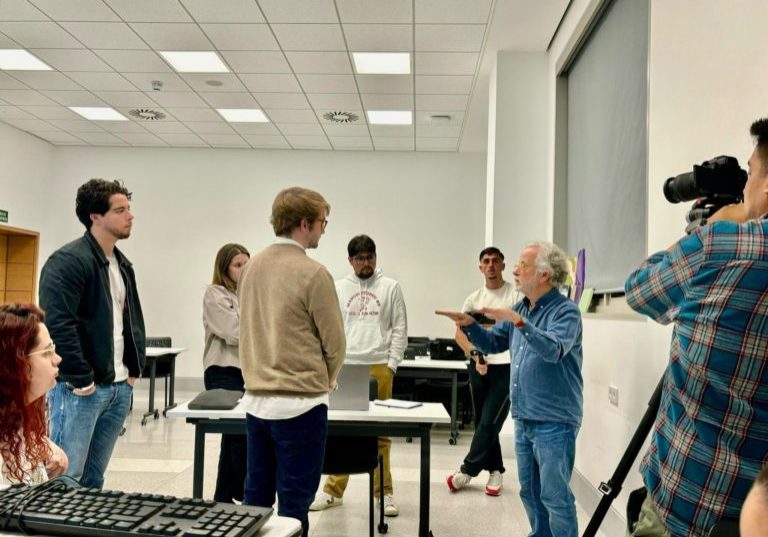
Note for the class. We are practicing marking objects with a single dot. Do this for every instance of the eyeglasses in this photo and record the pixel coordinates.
(48, 352)
(522, 265)
(324, 222)
(370, 258)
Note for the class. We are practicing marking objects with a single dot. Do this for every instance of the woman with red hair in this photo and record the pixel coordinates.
(28, 369)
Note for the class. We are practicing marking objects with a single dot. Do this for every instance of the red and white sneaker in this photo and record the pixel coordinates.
(458, 480)
(494, 485)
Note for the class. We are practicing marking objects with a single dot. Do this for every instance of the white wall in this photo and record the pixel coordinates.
(707, 78)
(424, 210)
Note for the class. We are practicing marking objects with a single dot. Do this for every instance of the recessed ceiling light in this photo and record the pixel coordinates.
(243, 115)
(21, 60)
(382, 63)
(95, 113)
(195, 62)
(390, 117)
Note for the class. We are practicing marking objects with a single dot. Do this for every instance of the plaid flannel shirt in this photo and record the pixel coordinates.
(711, 434)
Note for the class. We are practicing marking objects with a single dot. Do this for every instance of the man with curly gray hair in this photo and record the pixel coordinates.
(542, 332)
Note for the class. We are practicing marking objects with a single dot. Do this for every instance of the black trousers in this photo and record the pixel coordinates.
(232, 457)
(490, 395)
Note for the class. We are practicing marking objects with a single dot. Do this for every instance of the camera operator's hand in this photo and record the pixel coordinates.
(731, 213)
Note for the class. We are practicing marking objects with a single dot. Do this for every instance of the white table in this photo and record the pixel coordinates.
(376, 421)
(438, 369)
(153, 353)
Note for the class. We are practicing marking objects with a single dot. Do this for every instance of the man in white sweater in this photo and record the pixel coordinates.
(376, 327)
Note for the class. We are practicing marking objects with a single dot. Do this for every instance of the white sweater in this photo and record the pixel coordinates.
(375, 320)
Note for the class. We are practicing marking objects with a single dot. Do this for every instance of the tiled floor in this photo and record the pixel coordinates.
(158, 458)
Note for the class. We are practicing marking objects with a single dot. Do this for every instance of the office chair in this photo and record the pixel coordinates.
(358, 455)
(163, 364)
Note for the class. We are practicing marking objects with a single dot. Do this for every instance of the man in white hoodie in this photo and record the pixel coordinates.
(376, 327)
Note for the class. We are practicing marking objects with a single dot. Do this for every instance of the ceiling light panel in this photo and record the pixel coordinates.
(243, 115)
(195, 62)
(98, 113)
(382, 63)
(21, 60)
(390, 117)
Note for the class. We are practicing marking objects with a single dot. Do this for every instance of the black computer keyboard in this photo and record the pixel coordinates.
(56, 508)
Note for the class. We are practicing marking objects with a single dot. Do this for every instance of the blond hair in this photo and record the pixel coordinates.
(293, 205)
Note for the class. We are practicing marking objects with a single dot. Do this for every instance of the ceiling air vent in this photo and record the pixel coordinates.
(341, 117)
(440, 118)
(146, 114)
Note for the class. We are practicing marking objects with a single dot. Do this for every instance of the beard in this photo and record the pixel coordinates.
(365, 273)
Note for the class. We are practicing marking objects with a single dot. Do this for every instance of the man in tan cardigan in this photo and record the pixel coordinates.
(292, 346)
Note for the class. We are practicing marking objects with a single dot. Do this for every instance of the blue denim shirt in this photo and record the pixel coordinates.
(546, 354)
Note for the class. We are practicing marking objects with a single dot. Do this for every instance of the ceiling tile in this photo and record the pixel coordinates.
(134, 61)
(13, 112)
(59, 137)
(264, 129)
(229, 82)
(309, 36)
(181, 99)
(291, 116)
(241, 36)
(424, 117)
(230, 100)
(171, 81)
(209, 127)
(436, 102)
(309, 142)
(166, 127)
(320, 62)
(452, 84)
(73, 98)
(377, 101)
(229, 11)
(328, 83)
(437, 144)
(194, 114)
(338, 101)
(105, 35)
(149, 10)
(292, 101)
(141, 138)
(39, 35)
(102, 81)
(375, 11)
(46, 80)
(452, 11)
(76, 10)
(171, 36)
(7, 42)
(267, 83)
(449, 37)
(393, 144)
(385, 83)
(20, 10)
(298, 10)
(131, 99)
(121, 127)
(30, 124)
(72, 59)
(379, 37)
(74, 125)
(320, 113)
(25, 97)
(446, 63)
(256, 62)
(351, 143)
(50, 112)
(378, 131)
(224, 140)
(346, 130)
(428, 131)
(100, 138)
(182, 139)
(8, 82)
(304, 129)
(269, 142)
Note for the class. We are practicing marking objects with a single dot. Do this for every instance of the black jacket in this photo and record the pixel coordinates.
(74, 292)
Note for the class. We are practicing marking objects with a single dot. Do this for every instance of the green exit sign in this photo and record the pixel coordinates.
(3, 216)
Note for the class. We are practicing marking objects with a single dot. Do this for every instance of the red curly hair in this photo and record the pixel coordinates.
(23, 427)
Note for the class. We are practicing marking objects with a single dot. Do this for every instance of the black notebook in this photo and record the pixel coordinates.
(216, 399)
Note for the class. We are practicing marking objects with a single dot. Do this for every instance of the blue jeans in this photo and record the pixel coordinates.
(286, 456)
(545, 453)
(87, 427)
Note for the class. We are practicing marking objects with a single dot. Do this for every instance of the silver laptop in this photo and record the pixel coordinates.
(353, 389)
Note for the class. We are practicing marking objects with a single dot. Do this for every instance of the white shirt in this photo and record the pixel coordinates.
(117, 290)
(503, 297)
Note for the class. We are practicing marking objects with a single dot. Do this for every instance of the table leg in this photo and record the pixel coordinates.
(454, 407)
(424, 482)
(198, 463)
(151, 411)
(171, 384)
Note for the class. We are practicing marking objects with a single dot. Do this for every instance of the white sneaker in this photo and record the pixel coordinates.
(494, 485)
(458, 480)
(390, 507)
(324, 501)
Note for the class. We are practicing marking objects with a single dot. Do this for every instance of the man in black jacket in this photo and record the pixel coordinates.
(88, 291)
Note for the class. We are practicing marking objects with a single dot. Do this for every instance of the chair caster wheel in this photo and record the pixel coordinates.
(408, 440)
(383, 528)
(452, 441)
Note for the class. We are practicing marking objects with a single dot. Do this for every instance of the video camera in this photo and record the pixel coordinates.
(713, 184)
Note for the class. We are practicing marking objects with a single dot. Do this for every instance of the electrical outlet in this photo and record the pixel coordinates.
(613, 395)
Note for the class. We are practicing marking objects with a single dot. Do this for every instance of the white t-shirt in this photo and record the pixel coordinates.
(503, 297)
(37, 476)
(117, 290)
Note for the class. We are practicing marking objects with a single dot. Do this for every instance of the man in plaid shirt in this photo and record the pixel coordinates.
(711, 433)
